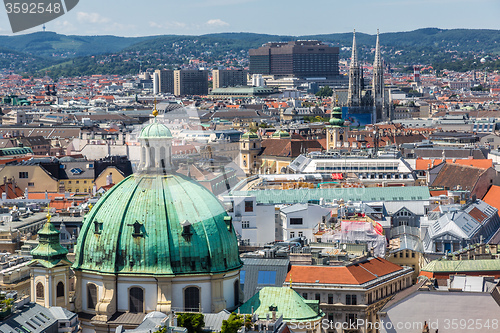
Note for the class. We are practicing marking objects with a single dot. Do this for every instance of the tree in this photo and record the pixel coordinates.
(234, 323)
(325, 91)
(194, 322)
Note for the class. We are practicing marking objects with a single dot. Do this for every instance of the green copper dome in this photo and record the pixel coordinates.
(157, 224)
(249, 135)
(155, 130)
(281, 134)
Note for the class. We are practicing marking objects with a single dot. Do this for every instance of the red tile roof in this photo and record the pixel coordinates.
(13, 192)
(352, 274)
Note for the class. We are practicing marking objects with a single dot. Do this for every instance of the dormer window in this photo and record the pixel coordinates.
(186, 230)
(97, 227)
(137, 229)
(76, 171)
(229, 223)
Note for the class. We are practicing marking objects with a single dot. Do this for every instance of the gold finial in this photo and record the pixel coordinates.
(48, 214)
(290, 280)
(155, 112)
(90, 207)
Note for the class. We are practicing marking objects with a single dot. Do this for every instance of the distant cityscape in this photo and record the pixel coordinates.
(296, 187)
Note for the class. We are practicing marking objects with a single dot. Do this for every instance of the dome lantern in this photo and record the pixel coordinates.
(156, 147)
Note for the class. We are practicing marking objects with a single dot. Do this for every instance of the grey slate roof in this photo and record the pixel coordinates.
(35, 318)
(416, 207)
(252, 266)
(213, 321)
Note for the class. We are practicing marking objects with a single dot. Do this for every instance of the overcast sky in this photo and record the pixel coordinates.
(283, 17)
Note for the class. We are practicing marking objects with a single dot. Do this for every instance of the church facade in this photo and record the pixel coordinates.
(359, 99)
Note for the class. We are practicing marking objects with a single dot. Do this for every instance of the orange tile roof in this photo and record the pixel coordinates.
(438, 193)
(492, 198)
(41, 195)
(425, 164)
(353, 274)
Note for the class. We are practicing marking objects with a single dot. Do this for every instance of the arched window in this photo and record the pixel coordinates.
(91, 296)
(143, 155)
(136, 300)
(60, 290)
(236, 292)
(192, 299)
(40, 291)
(163, 160)
(152, 158)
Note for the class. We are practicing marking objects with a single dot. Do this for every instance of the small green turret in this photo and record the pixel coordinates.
(49, 251)
(336, 117)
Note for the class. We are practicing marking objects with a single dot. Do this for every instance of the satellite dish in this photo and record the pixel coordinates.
(344, 246)
(52, 210)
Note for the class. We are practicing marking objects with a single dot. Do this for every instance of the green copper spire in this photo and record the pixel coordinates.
(49, 251)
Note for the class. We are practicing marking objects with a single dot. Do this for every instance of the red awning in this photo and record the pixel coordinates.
(337, 176)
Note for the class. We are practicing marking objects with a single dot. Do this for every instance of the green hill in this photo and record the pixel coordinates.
(51, 44)
(121, 55)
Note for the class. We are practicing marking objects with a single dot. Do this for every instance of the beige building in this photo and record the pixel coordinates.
(223, 78)
(33, 177)
(111, 175)
(350, 293)
(409, 258)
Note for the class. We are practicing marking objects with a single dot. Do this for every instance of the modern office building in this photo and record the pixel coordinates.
(163, 81)
(224, 78)
(190, 82)
(302, 59)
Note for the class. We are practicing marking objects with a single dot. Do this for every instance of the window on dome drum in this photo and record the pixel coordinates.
(236, 292)
(248, 206)
(242, 279)
(136, 300)
(40, 291)
(296, 220)
(266, 277)
(60, 290)
(192, 299)
(91, 296)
